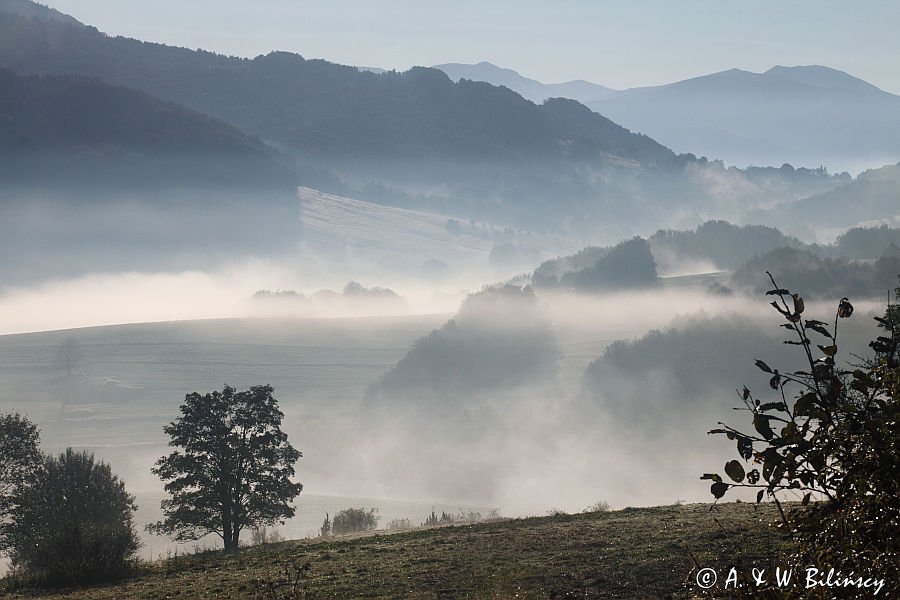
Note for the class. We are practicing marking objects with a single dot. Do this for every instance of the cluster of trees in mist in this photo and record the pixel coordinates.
(629, 264)
(352, 292)
(871, 197)
(499, 339)
(821, 277)
(662, 380)
(862, 262)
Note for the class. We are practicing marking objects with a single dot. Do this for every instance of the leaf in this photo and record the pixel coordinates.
(828, 350)
(818, 329)
(806, 498)
(745, 447)
(763, 366)
(773, 406)
(805, 404)
(734, 470)
(718, 489)
(864, 377)
(779, 309)
(798, 304)
(712, 476)
(775, 381)
(746, 393)
(778, 292)
(761, 424)
(759, 496)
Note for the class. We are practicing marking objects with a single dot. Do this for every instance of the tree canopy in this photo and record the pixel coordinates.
(232, 468)
(73, 522)
(19, 460)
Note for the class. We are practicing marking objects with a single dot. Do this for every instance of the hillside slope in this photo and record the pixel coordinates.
(630, 554)
(78, 130)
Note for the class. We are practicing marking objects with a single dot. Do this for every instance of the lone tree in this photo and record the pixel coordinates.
(73, 522)
(20, 459)
(232, 469)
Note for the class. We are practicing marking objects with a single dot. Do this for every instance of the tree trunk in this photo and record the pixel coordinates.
(228, 534)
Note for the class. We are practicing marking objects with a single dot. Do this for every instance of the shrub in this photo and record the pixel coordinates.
(351, 520)
(399, 525)
(598, 506)
(835, 442)
(74, 522)
(262, 535)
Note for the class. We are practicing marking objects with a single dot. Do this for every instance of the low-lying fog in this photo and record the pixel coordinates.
(514, 400)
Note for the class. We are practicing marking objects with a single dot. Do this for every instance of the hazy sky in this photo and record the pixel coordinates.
(621, 43)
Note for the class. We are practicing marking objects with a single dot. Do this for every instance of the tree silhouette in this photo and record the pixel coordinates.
(73, 522)
(232, 469)
(20, 459)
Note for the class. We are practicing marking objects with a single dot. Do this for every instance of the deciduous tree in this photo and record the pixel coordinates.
(232, 467)
(19, 460)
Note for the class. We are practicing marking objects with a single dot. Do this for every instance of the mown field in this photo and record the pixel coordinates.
(630, 553)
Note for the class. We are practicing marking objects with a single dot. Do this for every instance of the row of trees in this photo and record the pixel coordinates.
(67, 519)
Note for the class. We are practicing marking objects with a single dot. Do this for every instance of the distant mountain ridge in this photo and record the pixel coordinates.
(531, 89)
(417, 139)
(802, 115)
(321, 109)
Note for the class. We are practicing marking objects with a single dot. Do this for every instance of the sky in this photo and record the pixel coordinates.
(620, 44)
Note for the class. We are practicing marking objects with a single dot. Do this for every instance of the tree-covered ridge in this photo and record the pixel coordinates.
(861, 262)
(468, 149)
(873, 196)
(322, 108)
(822, 277)
(78, 125)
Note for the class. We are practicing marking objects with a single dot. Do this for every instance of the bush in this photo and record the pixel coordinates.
(834, 446)
(74, 523)
(351, 520)
(399, 525)
(598, 506)
(262, 535)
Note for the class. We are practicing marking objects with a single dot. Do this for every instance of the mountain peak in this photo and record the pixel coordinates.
(820, 76)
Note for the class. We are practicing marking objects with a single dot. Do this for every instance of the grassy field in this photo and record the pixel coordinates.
(630, 553)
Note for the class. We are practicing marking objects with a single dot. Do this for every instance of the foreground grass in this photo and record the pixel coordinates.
(631, 553)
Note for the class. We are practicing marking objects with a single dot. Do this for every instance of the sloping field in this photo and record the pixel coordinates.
(632, 553)
(353, 230)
